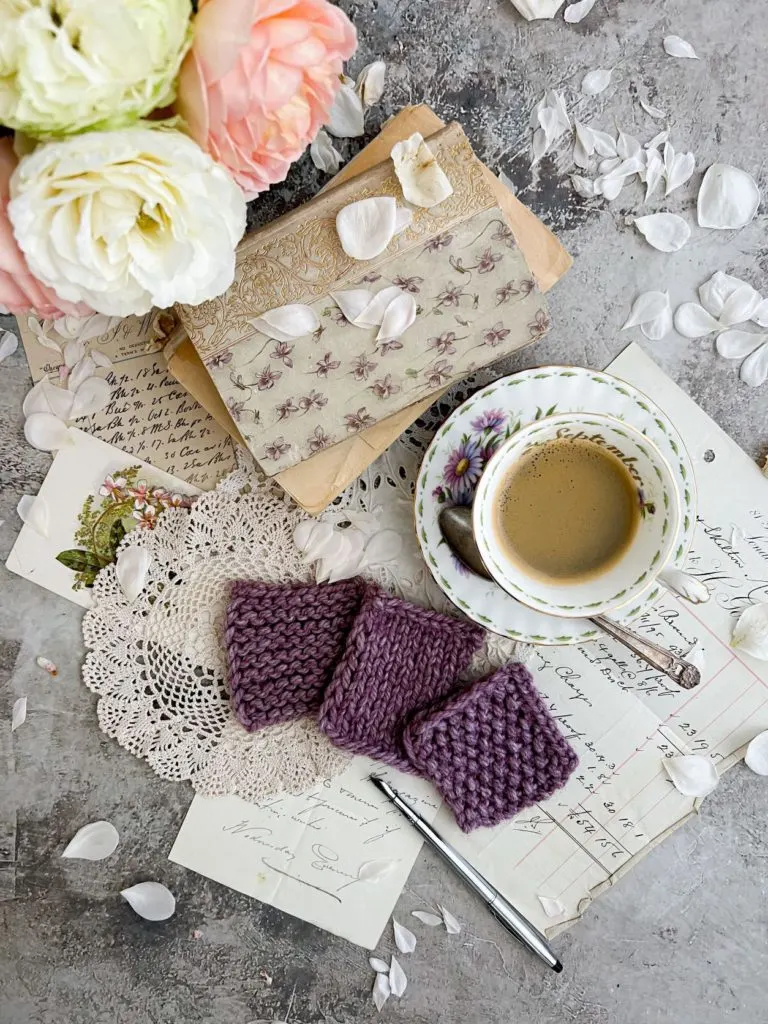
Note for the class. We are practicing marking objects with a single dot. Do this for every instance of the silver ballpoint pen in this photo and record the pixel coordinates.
(501, 909)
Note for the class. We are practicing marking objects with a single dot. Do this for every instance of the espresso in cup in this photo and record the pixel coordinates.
(566, 511)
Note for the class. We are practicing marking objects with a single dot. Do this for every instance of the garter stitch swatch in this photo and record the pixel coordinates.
(397, 659)
(283, 643)
(491, 750)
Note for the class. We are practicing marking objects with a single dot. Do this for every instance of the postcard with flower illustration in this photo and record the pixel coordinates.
(92, 496)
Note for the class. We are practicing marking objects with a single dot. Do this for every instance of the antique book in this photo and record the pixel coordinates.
(478, 300)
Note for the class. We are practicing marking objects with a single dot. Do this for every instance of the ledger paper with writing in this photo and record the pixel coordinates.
(621, 716)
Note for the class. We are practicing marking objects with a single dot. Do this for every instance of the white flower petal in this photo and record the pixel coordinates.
(320, 539)
(756, 756)
(379, 965)
(714, 292)
(532, 10)
(754, 369)
(693, 321)
(403, 219)
(680, 170)
(627, 146)
(405, 940)
(373, 314)
(8, 344)
(609, 188)
(586, 136)
(658, 140)
(595, 82)
(101, 359)
(605, 145)
(346, 120)
(664, 231)
(580, 155)
(654, 171)
(73, 351)
(647, 306)
(430, 920)
(323, 154)
(399, 315)
(659, 327)
(452, 926)
(423, 181)
(576, 12)
(303, 533)
(738, 344)
(151, 900)
(95, 326)
(584, 187)
(18, 713)
(677, 47)
(685, 585)
(652, 111)
(740, 306)
(95, 841)
(33, 512)
(286, 323)
(40, 330)
(375, 870)
(381, 991)
(81, 371)
(728, 198)
(696, 657)
(352, 302)
(366, 227)
(397, 979)
(384, 546)
(132, 569)
(760, 315)
(92, 396)
(552, 907)
(370, 82)
(45, 432)
(692, 774)
(750, 634)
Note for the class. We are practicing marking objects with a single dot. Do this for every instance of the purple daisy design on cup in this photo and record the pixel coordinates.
(492, 420)
(464, 468)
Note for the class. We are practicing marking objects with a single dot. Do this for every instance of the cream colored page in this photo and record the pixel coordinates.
(150, 415)
(337, 856)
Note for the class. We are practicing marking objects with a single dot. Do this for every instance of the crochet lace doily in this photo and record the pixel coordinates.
(158, 665)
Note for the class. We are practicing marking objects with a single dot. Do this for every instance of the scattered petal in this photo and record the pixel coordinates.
(73, 351)
(452, 926)
(532, 10)
(693, 321)
(46, 397)
(685, 585)
(714, 292)
(33, 512)
(627, 146)
(677, 47)
(379, 965)
(696, 657)
(366, 227)
(399, 315)
(323, 154)
(132, 569)
(93, 842)
(375, 870)
(373, 314)
(756, 756)
(18, 713)
(8, 344)
(405, 940)
(738, 344)
(658, 140)
(151, 900)
(595, 82)
(93, 326)
(397, 979)
(370, 82)
(679, 171)
(584, 187)
(47, 665)
(423, 181)
(654, 171)
(352, 302)
(40, 331)
(604, 143)
(692, 774)
(750, 634)
(728, 198)
(46, 432)
(552, 907)
(760, 316)
(740, 306)
(576, 12)
(660, 327)
(431, 920)
(754, 369)
(609, 188)
(101, 359)
(381, 990)
(664, 231)
(314, 539)
(92, 396)
(403, 219)
(647, 306)
(286, 323)
(384, 546)
(81, 371)
(652, 111)
(346, 120)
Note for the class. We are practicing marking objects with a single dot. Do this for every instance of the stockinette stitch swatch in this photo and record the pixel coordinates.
(283, 643)
(491, 750)
(397, 659)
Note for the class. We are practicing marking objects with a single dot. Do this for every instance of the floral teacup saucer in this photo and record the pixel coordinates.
(466, 441)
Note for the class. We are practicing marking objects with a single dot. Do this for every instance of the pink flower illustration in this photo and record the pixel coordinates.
(358, 420)
(113, 487)
(286, 409)
(504, 234)
(527, 286)
(444, 343)
(318, 440)
(450, 297)
(267, 378)
(276, 449)
(488, 261)
(282, 351)
(438, 373)
(464, 468)
(505, 293)
(495, 335)
(384, 387)
(140, 492)
(493, 420)
(146, 516)
(438, 243)
(362, 367)
(539, 325)
(338, 317)
(325, 365)
(236, 409)
(390, 346)
(370, 278)
(408, 284)
(219, 360)
(314, 400)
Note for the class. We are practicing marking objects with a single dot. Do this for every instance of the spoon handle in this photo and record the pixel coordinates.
(679, 671)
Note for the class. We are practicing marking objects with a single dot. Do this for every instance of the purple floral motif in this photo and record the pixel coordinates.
(318, 440)
(539, 325)
(527, 286)
(495, 335)
(384, 387)
(362, 367)
(370, 278)
(408, 284)
(314, 400)
(317, 335)
(282, 351)
(325, 365)
(464, 467)
(358, 420)
(492, 420)
(267, 379)
(444, 343)
(337, 316)
(504, 234)
(236, 409)
(450, 296)
(505, 293)
(389, 346)
(286, 409)
(276, 449)
(439, 373)
(219, 360)
(488, 261)
(438, 243)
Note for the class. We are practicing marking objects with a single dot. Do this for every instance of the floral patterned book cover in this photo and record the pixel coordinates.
(476, 298)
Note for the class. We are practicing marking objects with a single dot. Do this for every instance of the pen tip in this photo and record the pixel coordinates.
(557, 967)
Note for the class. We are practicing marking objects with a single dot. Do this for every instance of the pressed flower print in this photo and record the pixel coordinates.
(408, 284)
(358, 420)
(236, 408)
(318, 440)
(487, 262)
(505, 293)
(282, 351)
(267, 379)
(385, 387)
(277, 449)
(219, 360)
(439, 373)
(444, 344)
(438, 243)
(363, 367)
(326, 365)
(495, 335)
(539, 325)
(314, 400)
(286, 409)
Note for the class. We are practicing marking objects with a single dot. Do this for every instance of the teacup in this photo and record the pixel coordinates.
(616, 516)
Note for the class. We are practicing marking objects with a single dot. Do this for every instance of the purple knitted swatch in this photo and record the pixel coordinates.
(283, 643)
(397, 659)
(492, 749)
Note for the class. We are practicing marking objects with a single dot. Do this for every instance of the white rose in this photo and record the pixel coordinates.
(77, 64)
(127, 220)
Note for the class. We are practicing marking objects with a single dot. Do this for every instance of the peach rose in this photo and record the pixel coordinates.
(260, 81)
(20, 291)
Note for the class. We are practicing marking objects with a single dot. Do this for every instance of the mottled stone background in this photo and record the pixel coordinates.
(683, 937)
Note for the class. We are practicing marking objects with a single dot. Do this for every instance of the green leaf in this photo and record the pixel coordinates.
(82, 561)
(116, 535)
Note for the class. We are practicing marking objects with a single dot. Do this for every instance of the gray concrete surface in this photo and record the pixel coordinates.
(683, 937)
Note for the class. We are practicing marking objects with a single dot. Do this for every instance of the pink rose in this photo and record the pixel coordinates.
(260, 81)
(20, 292)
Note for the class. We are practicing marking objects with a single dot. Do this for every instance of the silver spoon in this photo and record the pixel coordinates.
(456, 528)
